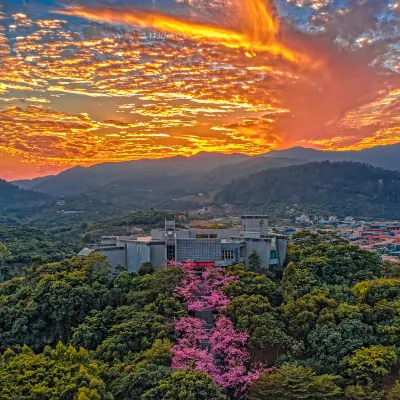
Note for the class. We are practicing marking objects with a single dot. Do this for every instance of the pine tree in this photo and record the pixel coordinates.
(254, 262)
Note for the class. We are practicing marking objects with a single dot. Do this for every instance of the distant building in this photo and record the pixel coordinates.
(61, 202)
(219, 247)
(304, 218)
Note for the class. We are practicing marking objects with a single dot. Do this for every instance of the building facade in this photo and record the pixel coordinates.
(219, 247)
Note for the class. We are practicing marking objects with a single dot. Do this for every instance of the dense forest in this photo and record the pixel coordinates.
(342, 188)
(327, 328)
(22, 246)
(13, 199)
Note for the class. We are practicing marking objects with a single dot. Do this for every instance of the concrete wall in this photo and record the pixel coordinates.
(255, 223)
(115, 256)
(137, 254)
(221, 233)
(157, 235)
(262, 247)
(281, 246)
(157, 254)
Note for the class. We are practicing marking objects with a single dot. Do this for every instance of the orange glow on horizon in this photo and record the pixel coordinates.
(231, 78)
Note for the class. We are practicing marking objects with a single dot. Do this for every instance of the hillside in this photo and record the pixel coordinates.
(11, 195)
(79, 179)
(225, 173)
(174, 183)
(343, 188)
(26, 244)
(22, 246)
(387, 157)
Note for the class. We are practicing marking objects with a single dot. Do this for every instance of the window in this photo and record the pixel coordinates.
(227, 254)
(171, 252)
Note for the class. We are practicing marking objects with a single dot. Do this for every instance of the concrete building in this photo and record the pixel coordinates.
(219, 247)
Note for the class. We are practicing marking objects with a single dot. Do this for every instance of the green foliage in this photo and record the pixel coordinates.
(251, 283)
(93, 330)
(291, 382)
(336, 310)
(254, 262)
(63, 373)
(133, 335)
(148, 368)
(394, 392)
(255, 315)
(305, 239)
(146, 269)
(41, 307)
(340, 264)
(330, 344)
(362, 392)
(26, 243)
(185, 385)
(376, 290)
(297, 282)
(303, 314)
(369, 363)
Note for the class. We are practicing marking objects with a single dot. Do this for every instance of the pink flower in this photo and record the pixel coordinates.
(192, 330)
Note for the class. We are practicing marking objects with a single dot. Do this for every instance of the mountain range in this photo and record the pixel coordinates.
(182, 183)
(387, 157)
(342, 188)
(207, 171)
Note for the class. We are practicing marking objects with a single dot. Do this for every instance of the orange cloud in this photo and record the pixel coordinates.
(257, 31)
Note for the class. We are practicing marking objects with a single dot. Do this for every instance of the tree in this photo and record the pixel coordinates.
(42, 307)
(185, 385)
(335, 264)
(330, 344)
(291, 382)
(62, 373)
(297, 281)
(134, 334)
(135, 383)
(93, 330)
(147, 369)
(303, 314)
(376, 290)
(5, 255)
(254, 262)
(146, 269)
(370, 363)
(394, 392)
(251, 283)
(362, 392)
(305, 239)
(255, 315)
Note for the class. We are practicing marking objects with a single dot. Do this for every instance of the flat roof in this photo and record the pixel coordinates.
(254, 216)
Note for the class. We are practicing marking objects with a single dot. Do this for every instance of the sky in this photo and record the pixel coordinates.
(97, 81)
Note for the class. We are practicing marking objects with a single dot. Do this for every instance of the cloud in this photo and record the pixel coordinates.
(166, 85)
(255, 31)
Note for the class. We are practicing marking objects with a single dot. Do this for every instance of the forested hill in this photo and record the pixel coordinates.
(343, 188)
(10, 195)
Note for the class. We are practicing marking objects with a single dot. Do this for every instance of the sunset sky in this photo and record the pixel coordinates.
(93, 81)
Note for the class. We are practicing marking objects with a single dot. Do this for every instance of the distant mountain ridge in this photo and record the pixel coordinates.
(344, 188)
(80, 179)
(183, 182)
(387, 157)
(11, 195)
